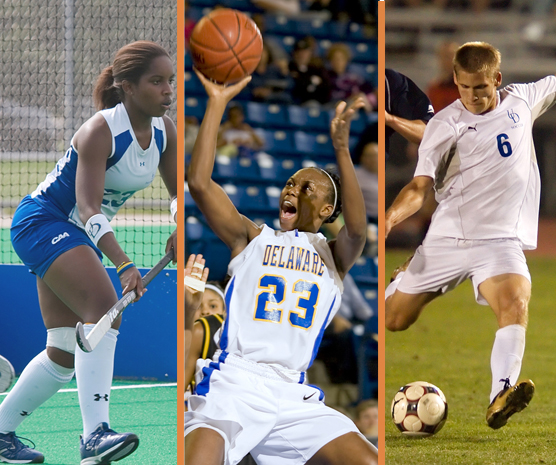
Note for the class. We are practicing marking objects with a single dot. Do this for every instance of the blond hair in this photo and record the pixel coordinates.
(478, 57)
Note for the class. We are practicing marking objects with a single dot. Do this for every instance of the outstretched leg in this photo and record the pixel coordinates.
(350, 448)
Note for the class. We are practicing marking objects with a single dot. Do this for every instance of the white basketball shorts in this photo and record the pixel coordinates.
(258, 409)
(442, 263)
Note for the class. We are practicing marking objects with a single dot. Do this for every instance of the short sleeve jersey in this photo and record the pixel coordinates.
(405, 99)
(484, 166)
(129, 168)
(284, 291)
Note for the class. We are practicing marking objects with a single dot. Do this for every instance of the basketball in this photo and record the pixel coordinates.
(226, 46)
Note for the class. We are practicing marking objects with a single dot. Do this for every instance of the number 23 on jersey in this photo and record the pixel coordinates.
(274, 289)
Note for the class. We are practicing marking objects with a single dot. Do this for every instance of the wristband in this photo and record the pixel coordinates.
(174, 209)
(97, 226)
(123, 267)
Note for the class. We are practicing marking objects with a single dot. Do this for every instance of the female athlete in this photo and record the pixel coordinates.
(60, 230)
(285, 288)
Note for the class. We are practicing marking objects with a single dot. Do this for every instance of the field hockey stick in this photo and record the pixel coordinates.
(88, 343)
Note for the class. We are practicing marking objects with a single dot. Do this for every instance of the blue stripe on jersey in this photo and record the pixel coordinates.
(159, 139)
(61, 192)
(203, 387)
(224, 337)
(321, 333)
(321, 395)
(302, 378)
(122, 141)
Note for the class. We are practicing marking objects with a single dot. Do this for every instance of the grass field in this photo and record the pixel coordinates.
(149, 412)
(450, 346)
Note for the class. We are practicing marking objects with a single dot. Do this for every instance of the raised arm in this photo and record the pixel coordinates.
(168, 172)
(351, 239)
(234, 229)
(93, 142)
(409, 201)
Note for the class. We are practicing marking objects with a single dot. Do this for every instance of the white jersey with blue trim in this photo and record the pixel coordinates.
(129, 169)
(283, 293)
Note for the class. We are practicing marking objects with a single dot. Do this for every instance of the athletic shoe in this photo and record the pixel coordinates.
(105, 445)
(400, 268)
(12, 450)
(510, 400)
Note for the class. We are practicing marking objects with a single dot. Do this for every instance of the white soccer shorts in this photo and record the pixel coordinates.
(257, 410)
(443, 263)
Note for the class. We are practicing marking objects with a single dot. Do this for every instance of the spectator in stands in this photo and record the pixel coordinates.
(310, 81)
(343, 83)
(269, 84)
(442, 90)
(367, 419)
(236, 136)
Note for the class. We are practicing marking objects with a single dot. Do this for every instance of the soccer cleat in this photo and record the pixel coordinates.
(510, 400)
(12, 450)
(400, 268)
(105, 445)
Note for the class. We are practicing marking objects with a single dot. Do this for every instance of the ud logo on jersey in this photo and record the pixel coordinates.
(513, 116)
(59, 237)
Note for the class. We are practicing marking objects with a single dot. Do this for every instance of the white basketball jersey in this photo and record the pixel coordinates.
(283, 293)
(484, 167)
(128, 169)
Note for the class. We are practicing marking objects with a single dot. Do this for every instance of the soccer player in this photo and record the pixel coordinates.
(285, 288)
(61, 230)
(478, 155)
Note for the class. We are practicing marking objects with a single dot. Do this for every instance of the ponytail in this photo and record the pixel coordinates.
(106, 94)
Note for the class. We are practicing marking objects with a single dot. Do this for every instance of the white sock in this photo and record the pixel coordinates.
(93, 372)
(40, 380)
(506, 357)
(393, 286)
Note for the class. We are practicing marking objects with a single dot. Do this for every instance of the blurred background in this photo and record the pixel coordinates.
(316, 52)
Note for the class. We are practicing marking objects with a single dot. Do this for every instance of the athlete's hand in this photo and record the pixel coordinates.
(172, 243)
(220, 92)
(192, 297)
(339, 127)
(131, 279)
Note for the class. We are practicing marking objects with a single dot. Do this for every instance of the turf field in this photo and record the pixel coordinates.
(450, 346)
(149, 411)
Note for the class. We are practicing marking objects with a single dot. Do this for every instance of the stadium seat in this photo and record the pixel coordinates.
(313, 119)
(197, 12)
(273, 195)
(278, 24)
(216, 254)
(196, 230)
(252, 199)
(311, 27)
(318, 145)
(358, 123)
(195, 106)
(365, 270)
(364, 52)
(240, 169)
(191, 84)
(279, 142)
(271, 116)
(188, 62)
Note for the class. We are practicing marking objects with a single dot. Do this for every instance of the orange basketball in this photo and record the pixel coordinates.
(226, 46)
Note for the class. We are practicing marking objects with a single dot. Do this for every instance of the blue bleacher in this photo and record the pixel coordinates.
(312, 119)
(239, 169)
(277, 142)
(192, 84)
(365, 271)
(318, 145)
(195, 106)
(261, 114)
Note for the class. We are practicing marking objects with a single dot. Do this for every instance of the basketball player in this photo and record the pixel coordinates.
(478, 155)
(285, 288)
(60, 230)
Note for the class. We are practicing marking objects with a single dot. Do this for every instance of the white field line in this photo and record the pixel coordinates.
(130, 386)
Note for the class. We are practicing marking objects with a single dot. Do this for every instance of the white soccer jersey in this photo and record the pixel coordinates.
(128, 169)
(283, 293)
(484, 167)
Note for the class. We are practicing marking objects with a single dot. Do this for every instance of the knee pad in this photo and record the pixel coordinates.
(61, 338)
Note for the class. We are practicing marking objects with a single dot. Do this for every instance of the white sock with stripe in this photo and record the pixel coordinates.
(93, 372)
(40, 380)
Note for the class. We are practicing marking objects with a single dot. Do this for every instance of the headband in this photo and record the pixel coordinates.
(216, 289)
(335, 190)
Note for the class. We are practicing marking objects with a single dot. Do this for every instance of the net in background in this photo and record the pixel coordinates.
(51, 53)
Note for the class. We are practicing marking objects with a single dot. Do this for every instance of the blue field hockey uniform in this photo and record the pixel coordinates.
(47, 224)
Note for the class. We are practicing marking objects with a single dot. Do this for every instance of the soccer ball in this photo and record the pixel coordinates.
(419, 409)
